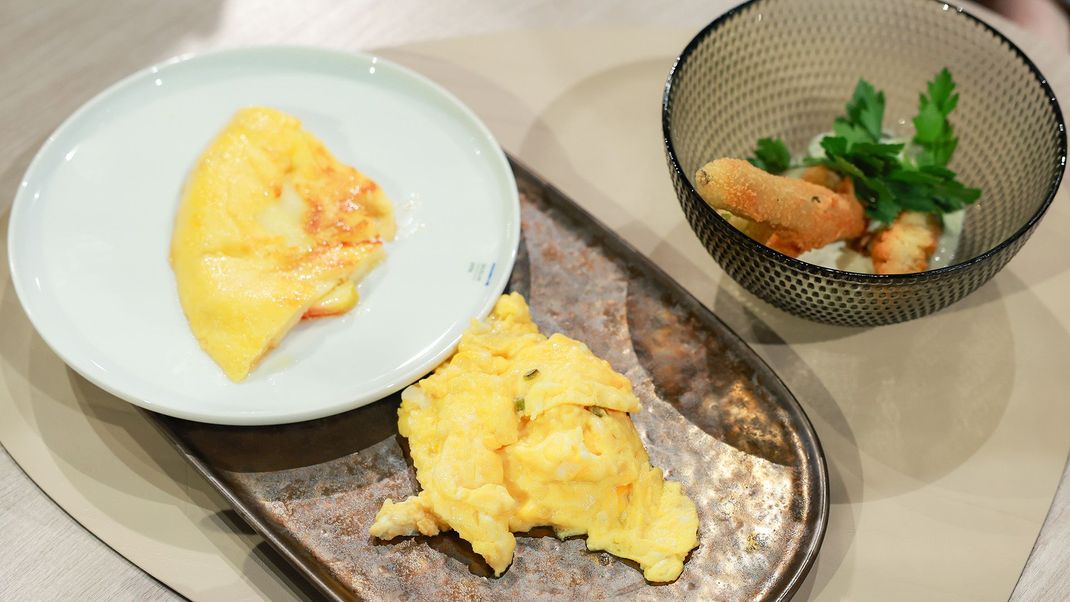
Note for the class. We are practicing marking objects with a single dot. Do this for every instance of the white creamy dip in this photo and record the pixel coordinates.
(839, 257)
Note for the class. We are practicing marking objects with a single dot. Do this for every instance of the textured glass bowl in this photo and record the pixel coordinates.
(785, 68)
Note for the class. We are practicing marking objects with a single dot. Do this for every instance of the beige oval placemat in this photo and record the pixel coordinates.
(942, 464)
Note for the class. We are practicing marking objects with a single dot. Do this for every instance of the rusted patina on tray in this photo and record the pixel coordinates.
(714, 417)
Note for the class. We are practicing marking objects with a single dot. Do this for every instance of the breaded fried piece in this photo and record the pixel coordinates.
(801, 215)
(822, 176)
(755, 230)
(907, 244)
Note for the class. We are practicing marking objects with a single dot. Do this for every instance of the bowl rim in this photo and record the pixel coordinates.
(833, 273)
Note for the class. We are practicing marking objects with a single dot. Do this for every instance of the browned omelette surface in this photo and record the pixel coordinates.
(271, 228)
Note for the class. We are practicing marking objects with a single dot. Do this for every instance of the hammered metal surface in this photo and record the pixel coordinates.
(714, 417)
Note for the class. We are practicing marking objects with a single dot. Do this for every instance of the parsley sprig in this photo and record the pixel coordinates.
(865, 113)
(886, 179)
(772, 155)
(932, 131)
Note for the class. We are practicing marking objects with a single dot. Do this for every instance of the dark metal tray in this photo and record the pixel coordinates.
(714, 416)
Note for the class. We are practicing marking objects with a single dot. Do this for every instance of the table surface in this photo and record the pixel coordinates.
(54, 56)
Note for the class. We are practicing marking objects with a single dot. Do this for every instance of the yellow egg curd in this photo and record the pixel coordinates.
(517, 430)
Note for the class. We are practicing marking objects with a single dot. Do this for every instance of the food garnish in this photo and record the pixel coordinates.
(888, 180)
(771, 155)
(912, 201)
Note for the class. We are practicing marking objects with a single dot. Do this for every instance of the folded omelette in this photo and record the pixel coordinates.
(271, 228)
(519, 430)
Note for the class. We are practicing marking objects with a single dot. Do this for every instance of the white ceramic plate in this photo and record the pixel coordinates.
(91, 226)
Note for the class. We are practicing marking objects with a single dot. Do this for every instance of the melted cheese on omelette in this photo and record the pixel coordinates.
(517, 430)
(271, 228)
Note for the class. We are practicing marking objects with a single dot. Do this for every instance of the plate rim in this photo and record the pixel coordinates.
(98, 377)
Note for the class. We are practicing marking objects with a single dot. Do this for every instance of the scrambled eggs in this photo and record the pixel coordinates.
(517, 430)
(271, 228)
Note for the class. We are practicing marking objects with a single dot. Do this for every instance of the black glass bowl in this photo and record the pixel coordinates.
(786, 67)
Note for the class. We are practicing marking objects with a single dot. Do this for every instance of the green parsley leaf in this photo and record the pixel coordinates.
(851, 133)
(933, 133)
(886, 183)
(834, 146)
(865, 113)
(879, 199)
(772, 155)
